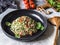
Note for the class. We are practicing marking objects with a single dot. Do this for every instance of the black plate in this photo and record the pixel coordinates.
(17, 13)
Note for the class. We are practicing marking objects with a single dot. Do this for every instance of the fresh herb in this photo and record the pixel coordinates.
(52, 2)
(55, 4)
(58, 6)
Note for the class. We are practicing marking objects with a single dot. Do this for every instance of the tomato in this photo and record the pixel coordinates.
(25, 2)
(32, 6)
(31, 2)
(27, 6)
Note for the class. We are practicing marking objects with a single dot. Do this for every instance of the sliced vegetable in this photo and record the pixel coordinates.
(8, 23)
(38, 25)
(42, 27)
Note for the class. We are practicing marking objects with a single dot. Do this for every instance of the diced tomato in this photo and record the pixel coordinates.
(27, 19)
(27, 26)
(20, 33)
(21, 19)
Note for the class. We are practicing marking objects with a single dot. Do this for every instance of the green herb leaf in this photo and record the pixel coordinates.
(51, 2)
(58, 3)
(58, 6)
(55, 4)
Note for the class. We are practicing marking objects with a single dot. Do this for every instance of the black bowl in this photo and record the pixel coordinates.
(17, 13)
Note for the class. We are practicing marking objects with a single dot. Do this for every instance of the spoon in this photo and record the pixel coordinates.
(55, 21)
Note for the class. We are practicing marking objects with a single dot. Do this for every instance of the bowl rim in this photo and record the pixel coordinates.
(20, 10)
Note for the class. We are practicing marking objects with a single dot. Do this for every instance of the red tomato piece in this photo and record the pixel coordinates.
(32, 6)
(27, 6)
(31, 2)
(25, 2)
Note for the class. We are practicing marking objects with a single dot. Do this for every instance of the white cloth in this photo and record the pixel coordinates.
(46, 39)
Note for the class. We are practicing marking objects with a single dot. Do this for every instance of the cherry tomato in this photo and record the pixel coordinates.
(32, 6)
(25, 2)
(31, 2)
(27, 6)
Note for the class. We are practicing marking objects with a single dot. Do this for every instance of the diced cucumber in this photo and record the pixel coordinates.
(8, 23)
(42, 27)
(38, 25)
